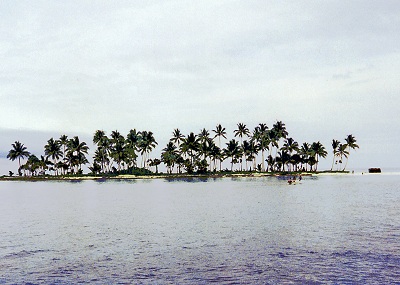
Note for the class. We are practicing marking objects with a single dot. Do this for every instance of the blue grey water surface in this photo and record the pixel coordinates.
(327, 230)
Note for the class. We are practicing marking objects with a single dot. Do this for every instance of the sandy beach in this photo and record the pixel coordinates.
(169, 176)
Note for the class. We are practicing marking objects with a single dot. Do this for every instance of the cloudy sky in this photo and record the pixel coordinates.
(325, 68)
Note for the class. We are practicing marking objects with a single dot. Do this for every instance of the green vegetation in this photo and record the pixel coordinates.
(341, 150)
(266, 150)
(17, 152)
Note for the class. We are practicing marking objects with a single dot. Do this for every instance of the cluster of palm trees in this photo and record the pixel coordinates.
(262, 149)
(201, 153)
(342, 150)
(61, 156)
(122, 151)
(66, 156)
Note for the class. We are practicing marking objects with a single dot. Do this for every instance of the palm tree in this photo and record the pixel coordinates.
(63, 165)
(233, 151)
(279, 132)
(103, 146)
(204, 135)
(98, 136)
(71, 161)
(215, 154)
(18, 151)
(253, 148)
(180, 161)
(247, 152)
(95, 168)
(271, 162)
(132, 142)
(274, 141)
(254, 140)
(169, 156)
(53, 149)
(241, 131)
(311, 160)
(281, 159)
(219, 132)
(205, 147)
(76, 151)
(295, 160)
(280, 128)
(155, 162)
(63, 142)
(341, 151)
(263, 128)
(132, 138)
(261, 136)
(290, 146)
(146, 144)
(306, 153)
(32, 164)
(177, 137)
(116, 136)
(319, 151)
(205, 144)
(100, 158)
(351, 144)
(191, 144)
(118, 152)
(189, 167)
(263, 145)
(43, 164)
(335, 145)
(116, 141)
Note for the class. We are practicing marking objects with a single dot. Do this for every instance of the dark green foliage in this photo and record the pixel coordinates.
(194, 154)
(136, 171)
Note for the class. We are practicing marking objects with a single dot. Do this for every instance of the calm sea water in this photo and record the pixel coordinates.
(326, 230)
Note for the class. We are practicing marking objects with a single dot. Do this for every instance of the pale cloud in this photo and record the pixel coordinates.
(78, 66)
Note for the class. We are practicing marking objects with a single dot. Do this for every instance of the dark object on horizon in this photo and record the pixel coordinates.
(374, 170)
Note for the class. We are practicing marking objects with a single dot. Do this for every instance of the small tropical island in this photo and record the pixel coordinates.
(260, 152)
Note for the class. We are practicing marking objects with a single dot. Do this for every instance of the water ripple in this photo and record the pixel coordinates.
(328, 230)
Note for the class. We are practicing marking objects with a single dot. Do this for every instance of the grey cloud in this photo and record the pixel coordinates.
(139, 63)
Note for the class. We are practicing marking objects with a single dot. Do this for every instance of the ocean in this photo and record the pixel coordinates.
(327, 229)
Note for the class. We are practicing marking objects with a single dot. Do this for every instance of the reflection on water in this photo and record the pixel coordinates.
(190, 179)
(328, 229)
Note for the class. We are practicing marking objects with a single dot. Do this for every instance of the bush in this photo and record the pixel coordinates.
(135, 171)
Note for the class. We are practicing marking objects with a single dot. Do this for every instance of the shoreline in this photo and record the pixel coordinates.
(169, 176)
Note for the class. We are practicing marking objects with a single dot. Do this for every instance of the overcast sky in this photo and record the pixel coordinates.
(325, 68)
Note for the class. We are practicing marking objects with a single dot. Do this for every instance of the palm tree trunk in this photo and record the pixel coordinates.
(102, 161)
(243, 155)
(263, 162)
(347, 159)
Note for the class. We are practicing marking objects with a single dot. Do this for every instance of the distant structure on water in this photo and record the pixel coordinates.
(374, 170)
